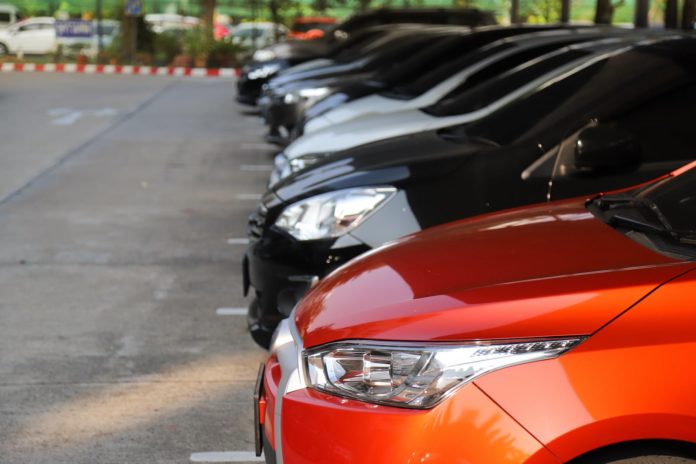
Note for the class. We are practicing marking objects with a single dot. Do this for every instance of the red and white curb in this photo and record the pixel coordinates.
(118, 69)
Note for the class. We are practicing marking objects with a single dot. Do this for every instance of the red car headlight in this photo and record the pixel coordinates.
(417, 376)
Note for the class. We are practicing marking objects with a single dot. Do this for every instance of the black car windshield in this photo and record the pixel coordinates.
(415, 63)
(429, 80)
(661, 215)
(483, 94)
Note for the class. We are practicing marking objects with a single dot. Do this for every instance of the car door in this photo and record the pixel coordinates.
(631, 147)
(35, 38)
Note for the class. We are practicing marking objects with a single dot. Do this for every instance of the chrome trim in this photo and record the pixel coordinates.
(287, 346)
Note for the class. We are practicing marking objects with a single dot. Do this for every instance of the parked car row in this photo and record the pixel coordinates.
(412, 315)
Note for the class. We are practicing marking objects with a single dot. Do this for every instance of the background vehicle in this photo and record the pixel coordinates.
(518, 337)
(270, 60)
(257, 34)
(288, 95)
(630, 130)
(170, 22)
(32, 36)
(9, 14)
(425, 88)
(311, 27)
(516, 74)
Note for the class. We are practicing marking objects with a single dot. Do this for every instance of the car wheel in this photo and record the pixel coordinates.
(3, 49)
(260, 334)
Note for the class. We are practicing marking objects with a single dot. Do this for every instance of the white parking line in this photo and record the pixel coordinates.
(248, 196)
(226, 456)
(257, 146)
(237, 241)
(231, 311)
(256, 167)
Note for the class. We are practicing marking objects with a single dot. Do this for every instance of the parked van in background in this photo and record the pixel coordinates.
(9, 14)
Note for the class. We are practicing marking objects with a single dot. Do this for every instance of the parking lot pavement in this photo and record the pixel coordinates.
(113, 260)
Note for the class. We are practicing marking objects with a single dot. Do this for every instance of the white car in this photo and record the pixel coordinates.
(257, 34)
(36, 36)
(432, 87)
(462, 108)
(161, 22)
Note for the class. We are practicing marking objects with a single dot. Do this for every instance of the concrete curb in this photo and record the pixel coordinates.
(118, 69)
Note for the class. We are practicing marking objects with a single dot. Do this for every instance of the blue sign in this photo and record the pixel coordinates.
(73, 28)
(134, 7)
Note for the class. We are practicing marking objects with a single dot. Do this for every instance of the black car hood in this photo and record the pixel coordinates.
(393, 161)
(354, 82)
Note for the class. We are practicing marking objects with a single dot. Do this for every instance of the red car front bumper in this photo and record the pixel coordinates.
(318, 428)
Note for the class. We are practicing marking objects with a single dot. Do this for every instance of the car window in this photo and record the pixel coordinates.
(30, 27)
(676, 201)
(506, 64)
(663, 126)
(486, 93)
(5, 17)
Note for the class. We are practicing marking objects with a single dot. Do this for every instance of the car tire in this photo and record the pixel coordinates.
(261, 335)
(4, 50)
(641, 453)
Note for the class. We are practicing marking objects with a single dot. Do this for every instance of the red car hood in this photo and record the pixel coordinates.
(550, 270)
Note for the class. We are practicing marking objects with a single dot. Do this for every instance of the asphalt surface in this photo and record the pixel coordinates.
(118, 195)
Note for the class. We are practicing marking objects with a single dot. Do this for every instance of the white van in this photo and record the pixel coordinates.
(9, 14)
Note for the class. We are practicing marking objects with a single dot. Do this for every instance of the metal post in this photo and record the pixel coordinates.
(100, 32)
(134, 38)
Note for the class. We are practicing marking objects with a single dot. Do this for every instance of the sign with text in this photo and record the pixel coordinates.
(72, 28)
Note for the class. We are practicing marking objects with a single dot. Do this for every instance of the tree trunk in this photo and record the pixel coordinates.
(689, 14)
(275, 16)
(565, 11)
(209, 14)
(641, 13)
(515, 11)
(604, 12)
(671, 14)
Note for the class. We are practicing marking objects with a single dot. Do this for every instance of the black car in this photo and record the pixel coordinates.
(617, 119)
(288, 94)
(268, 61)
(292, 105)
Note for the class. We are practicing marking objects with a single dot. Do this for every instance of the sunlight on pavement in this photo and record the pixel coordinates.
(141, 401)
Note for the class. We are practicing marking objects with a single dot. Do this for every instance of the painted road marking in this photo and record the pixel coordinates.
(256, 167)
(227, 456)
(237, 241)
(69, 116)
(248, 196)
(231, 311)
(256, 146)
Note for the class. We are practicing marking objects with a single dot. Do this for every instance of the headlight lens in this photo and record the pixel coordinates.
(417, 376)
(263, 55)
(305, 161)
(312, 94)
(332, 214)
(264, 71)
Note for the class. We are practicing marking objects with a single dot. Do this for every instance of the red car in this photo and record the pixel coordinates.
(309, 28)
(559, 333)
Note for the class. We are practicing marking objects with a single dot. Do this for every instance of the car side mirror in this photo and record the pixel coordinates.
(604, 148)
